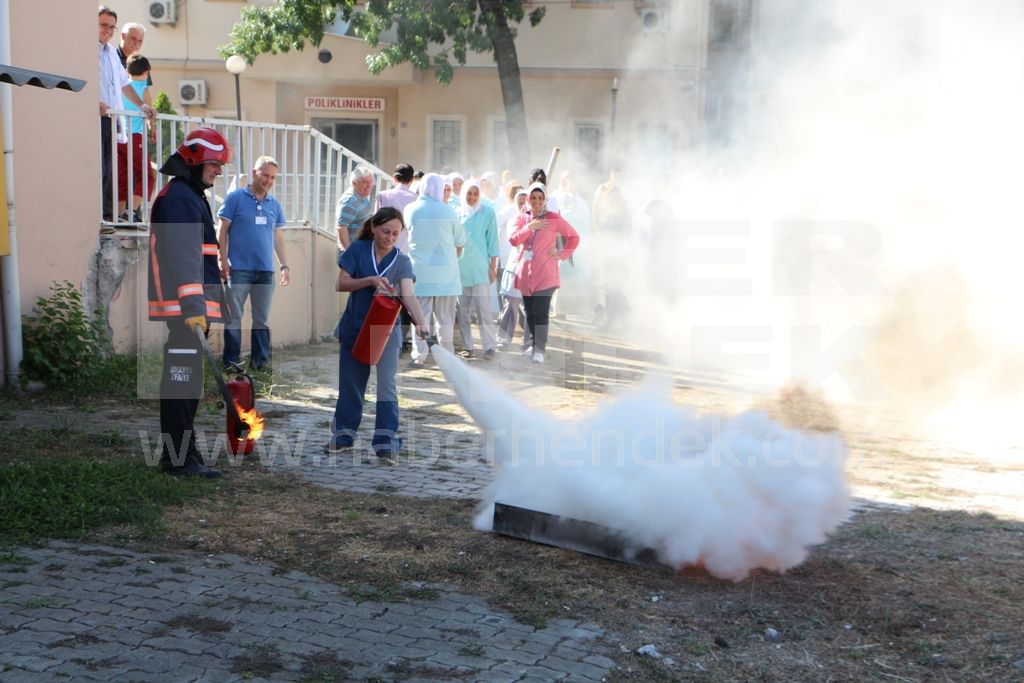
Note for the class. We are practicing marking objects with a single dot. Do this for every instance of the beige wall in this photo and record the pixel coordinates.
(56, 145)
(568, 64)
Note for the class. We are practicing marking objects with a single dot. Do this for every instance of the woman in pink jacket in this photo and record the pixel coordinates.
(537, 270)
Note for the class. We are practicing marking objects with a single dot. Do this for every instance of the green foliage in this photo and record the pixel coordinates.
(162, 105)
(72, 353)
(431, 33)
(61, 341)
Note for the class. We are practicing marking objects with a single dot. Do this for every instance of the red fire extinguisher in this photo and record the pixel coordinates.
(376, 330)
(243, 391)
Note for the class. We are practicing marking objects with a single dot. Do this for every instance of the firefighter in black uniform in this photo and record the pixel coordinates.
(185, 290)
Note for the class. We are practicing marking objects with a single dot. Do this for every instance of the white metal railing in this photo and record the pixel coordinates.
(313, 169)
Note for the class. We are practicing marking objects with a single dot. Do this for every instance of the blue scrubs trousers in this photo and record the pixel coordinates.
(348, 412)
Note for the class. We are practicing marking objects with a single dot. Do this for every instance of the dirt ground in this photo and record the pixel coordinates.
(925, 581)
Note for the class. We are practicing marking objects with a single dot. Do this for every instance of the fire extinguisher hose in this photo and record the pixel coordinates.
(241, 428)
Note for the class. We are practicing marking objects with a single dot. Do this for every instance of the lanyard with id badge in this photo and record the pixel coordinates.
(260, 218)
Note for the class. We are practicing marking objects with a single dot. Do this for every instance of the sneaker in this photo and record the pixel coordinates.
(108, 230)
(387, 458)
(137, 215)
(528, 351)
(234, 368)
(333, 447)
(502, 345)
(538, 357)
(489, 354)
(124, 217)
(468, 355)
(416, 363)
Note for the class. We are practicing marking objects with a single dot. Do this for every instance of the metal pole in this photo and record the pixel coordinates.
(551, 165)
(611, 127)
(238, 116)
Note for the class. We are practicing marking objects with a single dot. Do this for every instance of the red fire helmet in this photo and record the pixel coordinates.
(204, 144)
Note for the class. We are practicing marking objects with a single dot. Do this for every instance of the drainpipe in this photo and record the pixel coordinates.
(9, 279)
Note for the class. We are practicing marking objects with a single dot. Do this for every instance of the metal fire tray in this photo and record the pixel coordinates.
(571, 534)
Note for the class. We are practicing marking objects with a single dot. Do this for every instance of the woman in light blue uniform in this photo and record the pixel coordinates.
(372, 263)
(478, 269)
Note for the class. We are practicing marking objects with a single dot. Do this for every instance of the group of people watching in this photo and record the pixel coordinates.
(474, 260)
(445, 256)
(124, 79)
(437, 243)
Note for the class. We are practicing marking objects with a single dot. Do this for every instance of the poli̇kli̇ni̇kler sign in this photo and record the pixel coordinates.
(345, 103)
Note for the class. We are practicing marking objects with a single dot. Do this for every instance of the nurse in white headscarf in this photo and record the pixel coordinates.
(478, 268)
(455, 181)
(436, 239)
(489, 185)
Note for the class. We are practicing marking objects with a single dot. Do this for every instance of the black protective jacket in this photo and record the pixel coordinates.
(184, 279)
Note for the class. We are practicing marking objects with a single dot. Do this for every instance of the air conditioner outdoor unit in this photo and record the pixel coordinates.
(654, 20)
(162, 12)
(192, 92)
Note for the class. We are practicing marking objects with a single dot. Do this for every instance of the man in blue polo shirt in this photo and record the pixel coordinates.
(250, 233)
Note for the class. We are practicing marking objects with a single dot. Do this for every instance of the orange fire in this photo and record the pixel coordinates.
(253, 419)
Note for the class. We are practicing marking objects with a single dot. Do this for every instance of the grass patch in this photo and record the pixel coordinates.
(60, 483)
(472, 650)
(324, 667)
(60, 443)
(44, 500)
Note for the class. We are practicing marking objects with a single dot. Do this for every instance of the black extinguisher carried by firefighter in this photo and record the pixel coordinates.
(377, 326)
(243, 391)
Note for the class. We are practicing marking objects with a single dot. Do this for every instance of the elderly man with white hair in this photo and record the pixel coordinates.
(354, 206)
(132, 36)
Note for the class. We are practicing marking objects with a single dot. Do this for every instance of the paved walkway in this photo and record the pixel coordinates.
(86, 613)
(89, 613)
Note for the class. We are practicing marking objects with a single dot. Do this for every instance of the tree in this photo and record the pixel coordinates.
(162, 105)
(431, 34)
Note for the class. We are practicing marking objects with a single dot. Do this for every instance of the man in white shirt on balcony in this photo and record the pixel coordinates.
(114, 82)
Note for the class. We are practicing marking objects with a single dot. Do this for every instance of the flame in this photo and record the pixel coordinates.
(253, 419)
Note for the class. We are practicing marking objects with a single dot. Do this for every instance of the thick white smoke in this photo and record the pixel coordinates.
(872, 185)
(730, 494)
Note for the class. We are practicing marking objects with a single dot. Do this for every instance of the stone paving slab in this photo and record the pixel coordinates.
(252, 623)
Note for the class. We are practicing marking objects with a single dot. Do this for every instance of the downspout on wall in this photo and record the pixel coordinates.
(9, 280)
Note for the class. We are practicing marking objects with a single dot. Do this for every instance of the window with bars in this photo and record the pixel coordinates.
(446, 144)
(729, 23)
(588, 143)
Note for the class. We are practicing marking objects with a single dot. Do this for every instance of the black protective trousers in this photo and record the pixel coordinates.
(181, 385)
